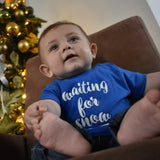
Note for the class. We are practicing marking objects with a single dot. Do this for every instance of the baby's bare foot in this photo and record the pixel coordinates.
(142, 120)
(56, 134)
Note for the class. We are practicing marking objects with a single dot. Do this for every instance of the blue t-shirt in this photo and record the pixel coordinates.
(90, 100)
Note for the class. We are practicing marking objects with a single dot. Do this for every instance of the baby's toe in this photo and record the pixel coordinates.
(153, 96)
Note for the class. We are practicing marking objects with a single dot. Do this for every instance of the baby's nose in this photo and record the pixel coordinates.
(66, 47)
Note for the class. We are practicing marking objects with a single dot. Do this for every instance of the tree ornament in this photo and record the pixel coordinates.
(3, 39)
(29, 10)
(9, 1)
(3, 79)
(21, 2)
(2, 102)
(3, 48)
(2, 57)
(32, 39)
(11, 7)
(17, 80)
(4, 16)
(19, 14)
(14, 57)
(13, 99)
(8, 126)
(23, 45)
(27, 22)
(12, 28)
(13, 116)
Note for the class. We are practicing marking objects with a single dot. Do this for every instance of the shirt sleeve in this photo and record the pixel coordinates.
(51, 92)
(136, 82)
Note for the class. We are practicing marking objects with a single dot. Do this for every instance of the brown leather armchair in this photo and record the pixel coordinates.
(128, 45)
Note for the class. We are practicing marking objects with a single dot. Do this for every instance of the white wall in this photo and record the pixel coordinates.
(155, 7)
(94, 15)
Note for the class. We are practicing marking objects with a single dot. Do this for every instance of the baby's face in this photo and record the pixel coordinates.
(66, 51)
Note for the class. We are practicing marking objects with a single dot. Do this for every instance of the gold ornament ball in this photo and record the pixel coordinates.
(19, 14)
(13, 116)
(3, 48)
(12, 28)
(23, 45)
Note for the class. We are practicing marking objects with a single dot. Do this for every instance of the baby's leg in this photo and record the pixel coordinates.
(142, 120)
(56, 134)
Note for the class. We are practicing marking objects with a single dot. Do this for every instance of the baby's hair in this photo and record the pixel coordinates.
(57, 24)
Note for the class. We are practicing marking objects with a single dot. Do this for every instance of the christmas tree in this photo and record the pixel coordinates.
(18, 43)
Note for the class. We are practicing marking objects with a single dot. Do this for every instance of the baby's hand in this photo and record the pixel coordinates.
(33, 114)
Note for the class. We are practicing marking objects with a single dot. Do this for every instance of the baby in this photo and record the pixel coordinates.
(86, 98)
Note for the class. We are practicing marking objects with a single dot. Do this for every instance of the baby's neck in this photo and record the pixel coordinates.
(72, 74)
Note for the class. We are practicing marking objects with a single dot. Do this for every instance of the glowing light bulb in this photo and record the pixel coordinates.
(24, 96)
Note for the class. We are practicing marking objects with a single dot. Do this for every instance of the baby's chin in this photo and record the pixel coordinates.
(72, 73)
(74, 69)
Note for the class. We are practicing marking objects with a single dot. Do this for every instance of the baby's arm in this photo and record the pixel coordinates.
(153, 81)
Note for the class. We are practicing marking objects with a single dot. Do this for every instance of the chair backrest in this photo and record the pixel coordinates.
(127, 44)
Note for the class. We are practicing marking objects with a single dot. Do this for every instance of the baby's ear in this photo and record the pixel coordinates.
(45, 70)
(93, 47)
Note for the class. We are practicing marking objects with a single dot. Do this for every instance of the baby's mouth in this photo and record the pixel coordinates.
(70, 56)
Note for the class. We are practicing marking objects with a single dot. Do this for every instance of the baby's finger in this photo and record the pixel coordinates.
(33, 110)
(27, 121)
(29, 126)
(36, 120)
(37, 133)
(36, 126)
(42, 108)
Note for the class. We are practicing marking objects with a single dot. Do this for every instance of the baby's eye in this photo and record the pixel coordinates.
(54, 47)
(73, 39)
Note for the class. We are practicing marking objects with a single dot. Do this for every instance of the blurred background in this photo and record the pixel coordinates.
(22, 22)
(94, 15)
